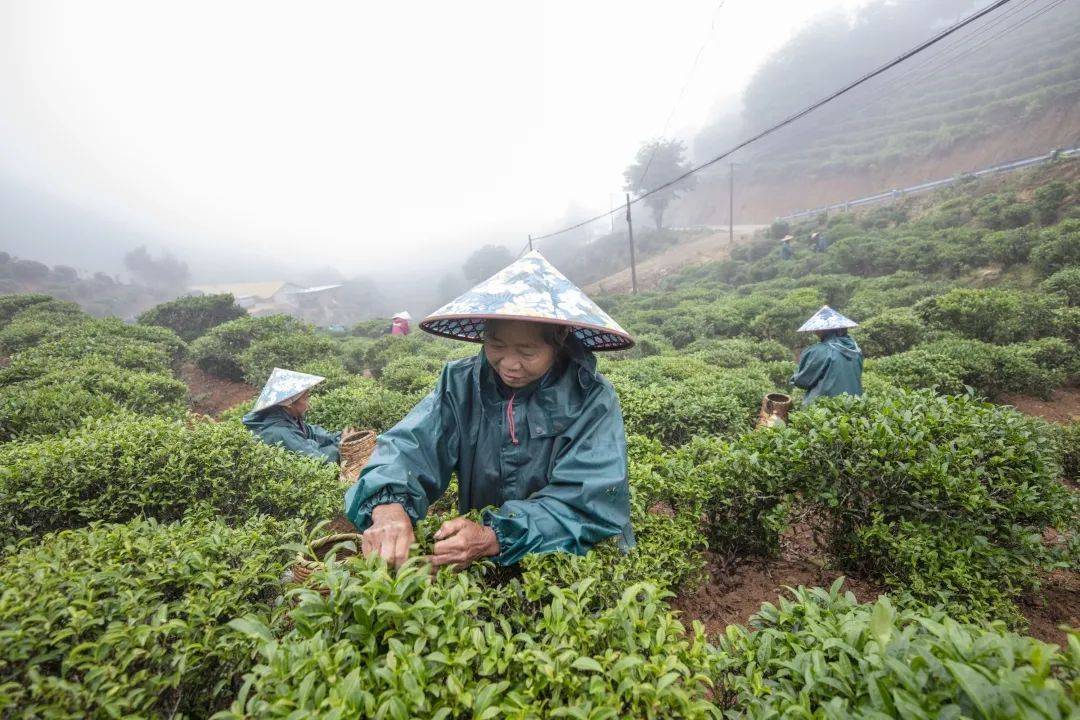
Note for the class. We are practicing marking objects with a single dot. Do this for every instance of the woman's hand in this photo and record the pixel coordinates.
(461, 541)
(390, 534)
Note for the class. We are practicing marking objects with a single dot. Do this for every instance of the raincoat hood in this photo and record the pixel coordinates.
(827, 319)
(530, 289)
(283, 386)
(845, 345)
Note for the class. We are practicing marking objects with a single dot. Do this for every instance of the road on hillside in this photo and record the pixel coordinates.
(714, 246)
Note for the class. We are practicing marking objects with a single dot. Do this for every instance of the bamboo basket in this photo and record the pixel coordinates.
(303, 567)
(356, 449)
(774, 410)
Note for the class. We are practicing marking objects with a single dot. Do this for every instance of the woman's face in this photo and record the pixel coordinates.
(518, 351)
(299, 406)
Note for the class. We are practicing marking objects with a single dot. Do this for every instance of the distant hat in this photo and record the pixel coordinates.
(283, 386)
(528, 289)
(827, 319)
(814, 236)
(404, 315)
(787, 237)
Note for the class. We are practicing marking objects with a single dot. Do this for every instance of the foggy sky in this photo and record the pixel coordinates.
(351, 133)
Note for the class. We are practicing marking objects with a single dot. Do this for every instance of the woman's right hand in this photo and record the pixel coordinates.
(390, 534)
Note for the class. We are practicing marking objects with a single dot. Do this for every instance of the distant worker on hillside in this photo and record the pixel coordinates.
(532, 431)
(834, 365)
(786, 251)
(821, 243)
(400, 324)
(278, 416)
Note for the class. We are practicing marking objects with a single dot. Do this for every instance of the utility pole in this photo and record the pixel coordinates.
(530, 243)
(630, 234)
(731, 205)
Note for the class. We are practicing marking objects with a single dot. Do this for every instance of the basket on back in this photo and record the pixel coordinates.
(355, 448)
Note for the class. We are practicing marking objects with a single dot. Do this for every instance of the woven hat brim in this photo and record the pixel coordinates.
(470, 328)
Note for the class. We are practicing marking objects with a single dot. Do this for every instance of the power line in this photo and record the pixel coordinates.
(805, 111)
(689, 77)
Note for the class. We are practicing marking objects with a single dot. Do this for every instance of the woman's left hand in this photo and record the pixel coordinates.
(461, 541)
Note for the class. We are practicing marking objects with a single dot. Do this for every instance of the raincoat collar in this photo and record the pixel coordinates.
(550, 405)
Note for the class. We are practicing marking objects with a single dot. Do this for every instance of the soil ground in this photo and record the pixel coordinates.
(732, 594)
(211, 395)
(1062, 407)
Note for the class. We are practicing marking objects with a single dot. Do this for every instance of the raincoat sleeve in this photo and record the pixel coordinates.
(324, 437)
(812, 366)
(291, 439)
(412, 462)
(586, 500)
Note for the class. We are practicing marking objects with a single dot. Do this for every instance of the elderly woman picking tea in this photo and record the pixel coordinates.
(532, 431)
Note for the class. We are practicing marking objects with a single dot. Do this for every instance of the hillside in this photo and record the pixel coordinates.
(1007, 87)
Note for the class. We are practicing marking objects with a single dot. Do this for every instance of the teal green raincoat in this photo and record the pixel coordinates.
(275, 426)
(550, 458)
(829, 368)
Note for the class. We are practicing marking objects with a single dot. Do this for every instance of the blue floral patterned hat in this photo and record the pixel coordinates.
(529, 289)
(283, 386)
(827, 319)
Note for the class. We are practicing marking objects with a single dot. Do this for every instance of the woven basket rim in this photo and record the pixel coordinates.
(310, 564)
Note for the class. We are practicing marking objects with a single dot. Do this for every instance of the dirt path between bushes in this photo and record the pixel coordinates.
(730, 595)
(1062, 407)
(211, 395)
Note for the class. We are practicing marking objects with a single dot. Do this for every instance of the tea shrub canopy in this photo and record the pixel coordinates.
(125, 467)
(129, 620)
(191, 317)
(219, 350)
(821, 654)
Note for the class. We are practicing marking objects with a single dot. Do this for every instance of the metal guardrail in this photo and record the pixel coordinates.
(934, 184)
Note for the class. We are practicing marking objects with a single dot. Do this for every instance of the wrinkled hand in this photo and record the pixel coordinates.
(461, 541)
(390, 534)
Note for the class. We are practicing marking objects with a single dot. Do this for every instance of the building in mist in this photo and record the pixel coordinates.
(314, 304)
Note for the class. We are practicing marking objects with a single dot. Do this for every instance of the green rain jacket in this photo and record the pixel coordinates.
(275, 426)
(550, 458)
(831, 367)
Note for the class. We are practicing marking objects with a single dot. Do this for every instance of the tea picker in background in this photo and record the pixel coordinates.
(400, 324)
(786, 251)
(834, 365)
(278, 416)
(534, 434)
(820, 242)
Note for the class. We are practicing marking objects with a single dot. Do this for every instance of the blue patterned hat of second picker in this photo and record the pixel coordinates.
(827, 319)
(283, 386)
(528, 289)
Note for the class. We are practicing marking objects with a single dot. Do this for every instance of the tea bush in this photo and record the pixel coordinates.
(11, 305)
(719, 403)
(63, 397)
(401, 645)
(362, 403)
(191, 317)
(991, 315)
(414, 376)
(822, 654)
(1057, 248)
(124, 467)
(285, 350)
(218, 351)
(737, 352)
(1065, 282)
(950, 364)
(911, 485)
(130, 620)
(890, 332)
